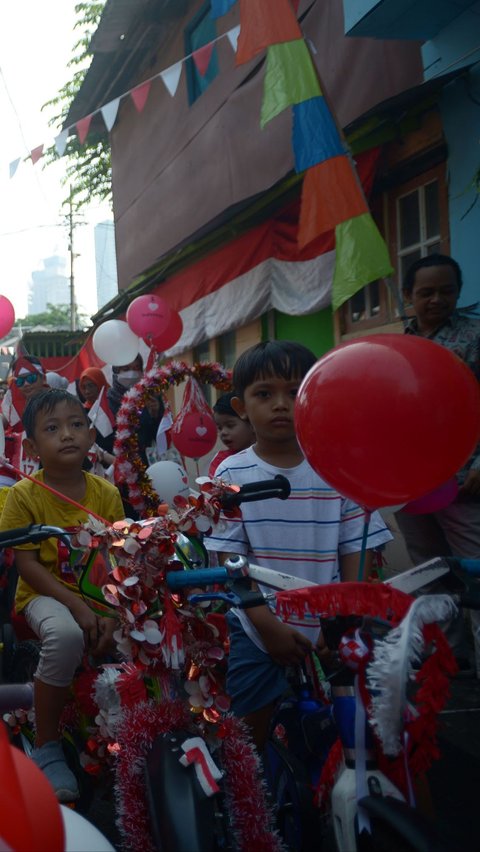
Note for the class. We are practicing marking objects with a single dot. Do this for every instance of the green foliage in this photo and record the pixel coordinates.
(88, 166)
(56, 316)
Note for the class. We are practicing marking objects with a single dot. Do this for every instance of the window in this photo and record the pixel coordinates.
(200, 31)
(202, 353)
(417, 213)
(226, 348)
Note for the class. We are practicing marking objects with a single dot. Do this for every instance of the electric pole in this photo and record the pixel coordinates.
(73, 307)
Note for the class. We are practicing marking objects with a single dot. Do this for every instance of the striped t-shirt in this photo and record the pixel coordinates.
(303, 535)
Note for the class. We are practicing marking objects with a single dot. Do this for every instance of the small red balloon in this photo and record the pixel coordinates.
(195, 434)
(388, 418)
(7, 316)
(148, 316)
(170, 336)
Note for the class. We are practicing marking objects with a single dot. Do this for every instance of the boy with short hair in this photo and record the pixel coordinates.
(316, 534)
(58, 431)
(235, 432)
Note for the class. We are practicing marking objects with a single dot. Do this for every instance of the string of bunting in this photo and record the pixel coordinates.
(139, 94)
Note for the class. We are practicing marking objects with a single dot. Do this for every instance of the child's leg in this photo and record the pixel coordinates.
(61, 652)
(254, 682)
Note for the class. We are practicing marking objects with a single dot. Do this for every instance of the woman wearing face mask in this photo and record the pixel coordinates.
(123, 378)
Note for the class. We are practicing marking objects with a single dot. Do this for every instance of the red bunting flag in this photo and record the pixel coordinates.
(36, 154)
(83, 126)
(202, 58)
(331, 194)
(140, 94)
(264, 24)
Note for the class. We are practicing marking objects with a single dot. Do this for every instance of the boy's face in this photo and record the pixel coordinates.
(236, 434)
(62, 436)
(269, 404)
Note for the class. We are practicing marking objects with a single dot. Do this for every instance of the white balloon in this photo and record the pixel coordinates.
(81, 835)
(115, 343)
(169, 480)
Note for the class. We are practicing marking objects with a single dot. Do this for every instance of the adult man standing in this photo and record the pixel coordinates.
(432, 286)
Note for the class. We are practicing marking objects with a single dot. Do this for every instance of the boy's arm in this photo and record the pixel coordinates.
(44, 583)
(285, 645)
(350, 563)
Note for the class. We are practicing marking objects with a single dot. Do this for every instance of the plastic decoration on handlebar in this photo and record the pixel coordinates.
(278, 487)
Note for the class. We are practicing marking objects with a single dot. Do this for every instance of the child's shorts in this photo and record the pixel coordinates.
(253, 678)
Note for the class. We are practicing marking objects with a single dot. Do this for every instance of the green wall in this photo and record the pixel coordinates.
(314, 330)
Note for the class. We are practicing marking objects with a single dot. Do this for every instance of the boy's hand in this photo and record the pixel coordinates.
(88, 621)
(106, 643)
(285, 645)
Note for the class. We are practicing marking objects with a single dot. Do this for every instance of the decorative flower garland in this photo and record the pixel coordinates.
(129, 467)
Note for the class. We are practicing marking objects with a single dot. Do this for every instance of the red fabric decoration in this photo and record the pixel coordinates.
(202, 58)
(140, 94)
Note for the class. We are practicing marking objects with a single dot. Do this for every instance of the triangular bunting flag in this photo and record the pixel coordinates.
(232, 36)
(220, 7)
(315, 136)
(109, 113)
(36, 154)
(331, 194)
(264, 24)
(140, 94)
(83, 126)
(202, 58)
(13, 166)
(361, 257)
(290, 78)
(61, 142)
(171, 77)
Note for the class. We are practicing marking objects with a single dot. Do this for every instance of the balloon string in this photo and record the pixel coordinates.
(54, 491)
(363, 553)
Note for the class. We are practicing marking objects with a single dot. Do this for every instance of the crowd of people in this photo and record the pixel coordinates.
(316, 534)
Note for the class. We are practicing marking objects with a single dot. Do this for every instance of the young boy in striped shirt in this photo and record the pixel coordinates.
(316, 534)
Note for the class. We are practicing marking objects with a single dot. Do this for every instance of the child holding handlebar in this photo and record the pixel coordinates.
(315, 534)
(59, 433)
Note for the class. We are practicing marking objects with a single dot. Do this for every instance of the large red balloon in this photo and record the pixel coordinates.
(7, 316)
(386, 419)
(170, 336)
(194, 434)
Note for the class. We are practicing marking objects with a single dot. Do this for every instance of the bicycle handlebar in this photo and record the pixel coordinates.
(278, 487)
(32, 534)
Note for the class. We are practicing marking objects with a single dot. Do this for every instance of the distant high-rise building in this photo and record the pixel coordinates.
(50, 285)
(105, 262)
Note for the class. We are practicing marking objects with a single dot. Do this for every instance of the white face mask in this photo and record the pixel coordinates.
(129, 378)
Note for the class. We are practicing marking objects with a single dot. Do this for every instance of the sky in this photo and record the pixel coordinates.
(36, 41)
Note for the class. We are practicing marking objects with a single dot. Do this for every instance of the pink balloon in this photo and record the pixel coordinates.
(168, 337)
(195, 435)
(148, 316)
(434, 500)
(7, 316)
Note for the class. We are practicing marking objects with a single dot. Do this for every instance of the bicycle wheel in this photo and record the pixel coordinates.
(298, 821)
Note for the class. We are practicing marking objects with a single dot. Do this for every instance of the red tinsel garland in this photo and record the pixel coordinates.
(248, 810)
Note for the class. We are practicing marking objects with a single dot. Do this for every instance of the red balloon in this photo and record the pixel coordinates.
(148, 316)
(30, 816)
(195, 434)
(388, 418)
(434, 500)
(169, 337)
(7, 316)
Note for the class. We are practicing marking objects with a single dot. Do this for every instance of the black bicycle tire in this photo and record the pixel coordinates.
(9, 644)
(308, 816)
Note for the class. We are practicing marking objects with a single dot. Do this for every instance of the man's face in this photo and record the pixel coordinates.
(434, 296)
